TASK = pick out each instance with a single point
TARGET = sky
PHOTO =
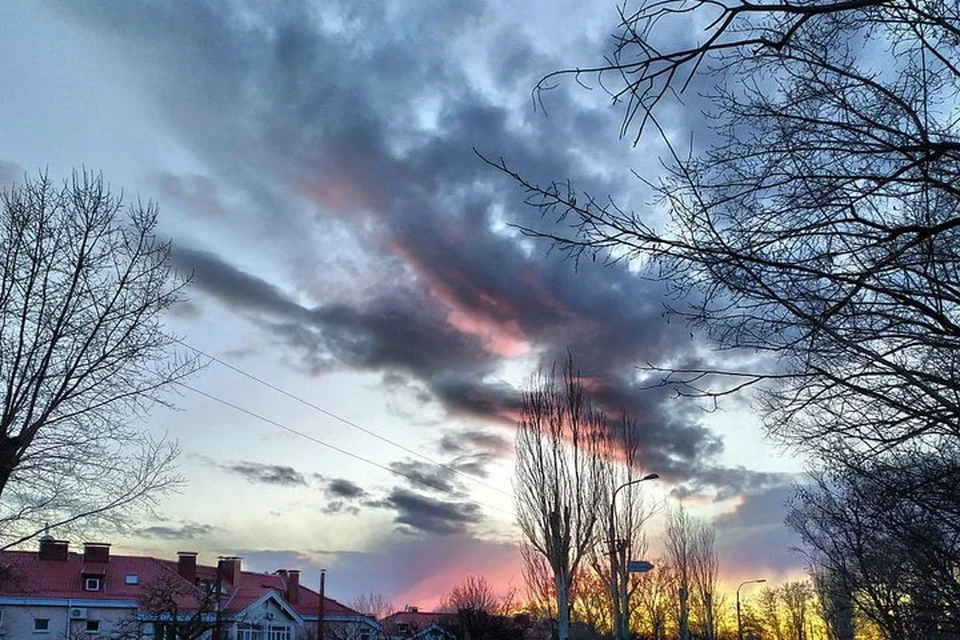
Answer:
(315, 167)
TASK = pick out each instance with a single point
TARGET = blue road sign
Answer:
(639, 566)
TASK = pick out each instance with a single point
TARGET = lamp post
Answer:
(618, 561)
(739, 621)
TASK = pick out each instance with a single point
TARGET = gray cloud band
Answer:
(299, 117)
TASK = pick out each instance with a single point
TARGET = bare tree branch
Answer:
(84, 286)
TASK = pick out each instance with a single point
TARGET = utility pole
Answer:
(322, 607)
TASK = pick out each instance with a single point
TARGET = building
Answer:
(57, 594)
(413, 624)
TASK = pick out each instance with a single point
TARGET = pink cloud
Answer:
(490, 317)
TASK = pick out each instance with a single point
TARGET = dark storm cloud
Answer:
(285, 109)
(760, 508)
(466, 395)
(754, 539)
(186, 531)
(734, 481)
(340, 506)
(418, 513)
(472, 440)
(275, 474)
(343, 488)
(230, 285)
(474, 464)
(424, 475)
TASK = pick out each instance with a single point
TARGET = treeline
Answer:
(810, 235)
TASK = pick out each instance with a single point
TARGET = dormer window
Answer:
(91, 584)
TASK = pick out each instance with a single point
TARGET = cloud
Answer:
(420, 513)
(230, 285)
(271, 102)
(724, 483)
(472, 440)
(753, 540)
(474, 464)
(426, 475)
(343, 488)
(186, 531)
(274, 474)
(340, 506)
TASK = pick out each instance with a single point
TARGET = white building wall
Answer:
(19, 616)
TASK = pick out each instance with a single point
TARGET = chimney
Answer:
(293, 586)
(187, 565)
(228, 569)
(54, 549)
(96, 552)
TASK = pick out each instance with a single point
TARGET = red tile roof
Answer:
(253, 585)
(416, 619)
(31, 576)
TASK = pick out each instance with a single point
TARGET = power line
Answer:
(355, 456)
(339, 418)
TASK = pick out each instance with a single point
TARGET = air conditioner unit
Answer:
(78, 613)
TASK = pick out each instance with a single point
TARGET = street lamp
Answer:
(618, 566)
(739, 621)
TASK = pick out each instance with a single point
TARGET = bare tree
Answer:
(797, 597)
(476, 611)
(680, 549)
(816, 231)
(626, 514)
(656, 597)
(590, 602)
(174, 609)
(84, 285)
(559, 471)
(821, 223)
(836, 603)
(541, 591)
(372, 604)
(705, 569)
(753, 622)
(771, 613)
(893, 550)
(473, 593)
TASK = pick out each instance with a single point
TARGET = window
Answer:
(164, 631)
(364, 635)
(41, 625)
(402, 627)
(93, 626)
(278, 633)
(131, 578)
(246, 632)
(92, 584)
